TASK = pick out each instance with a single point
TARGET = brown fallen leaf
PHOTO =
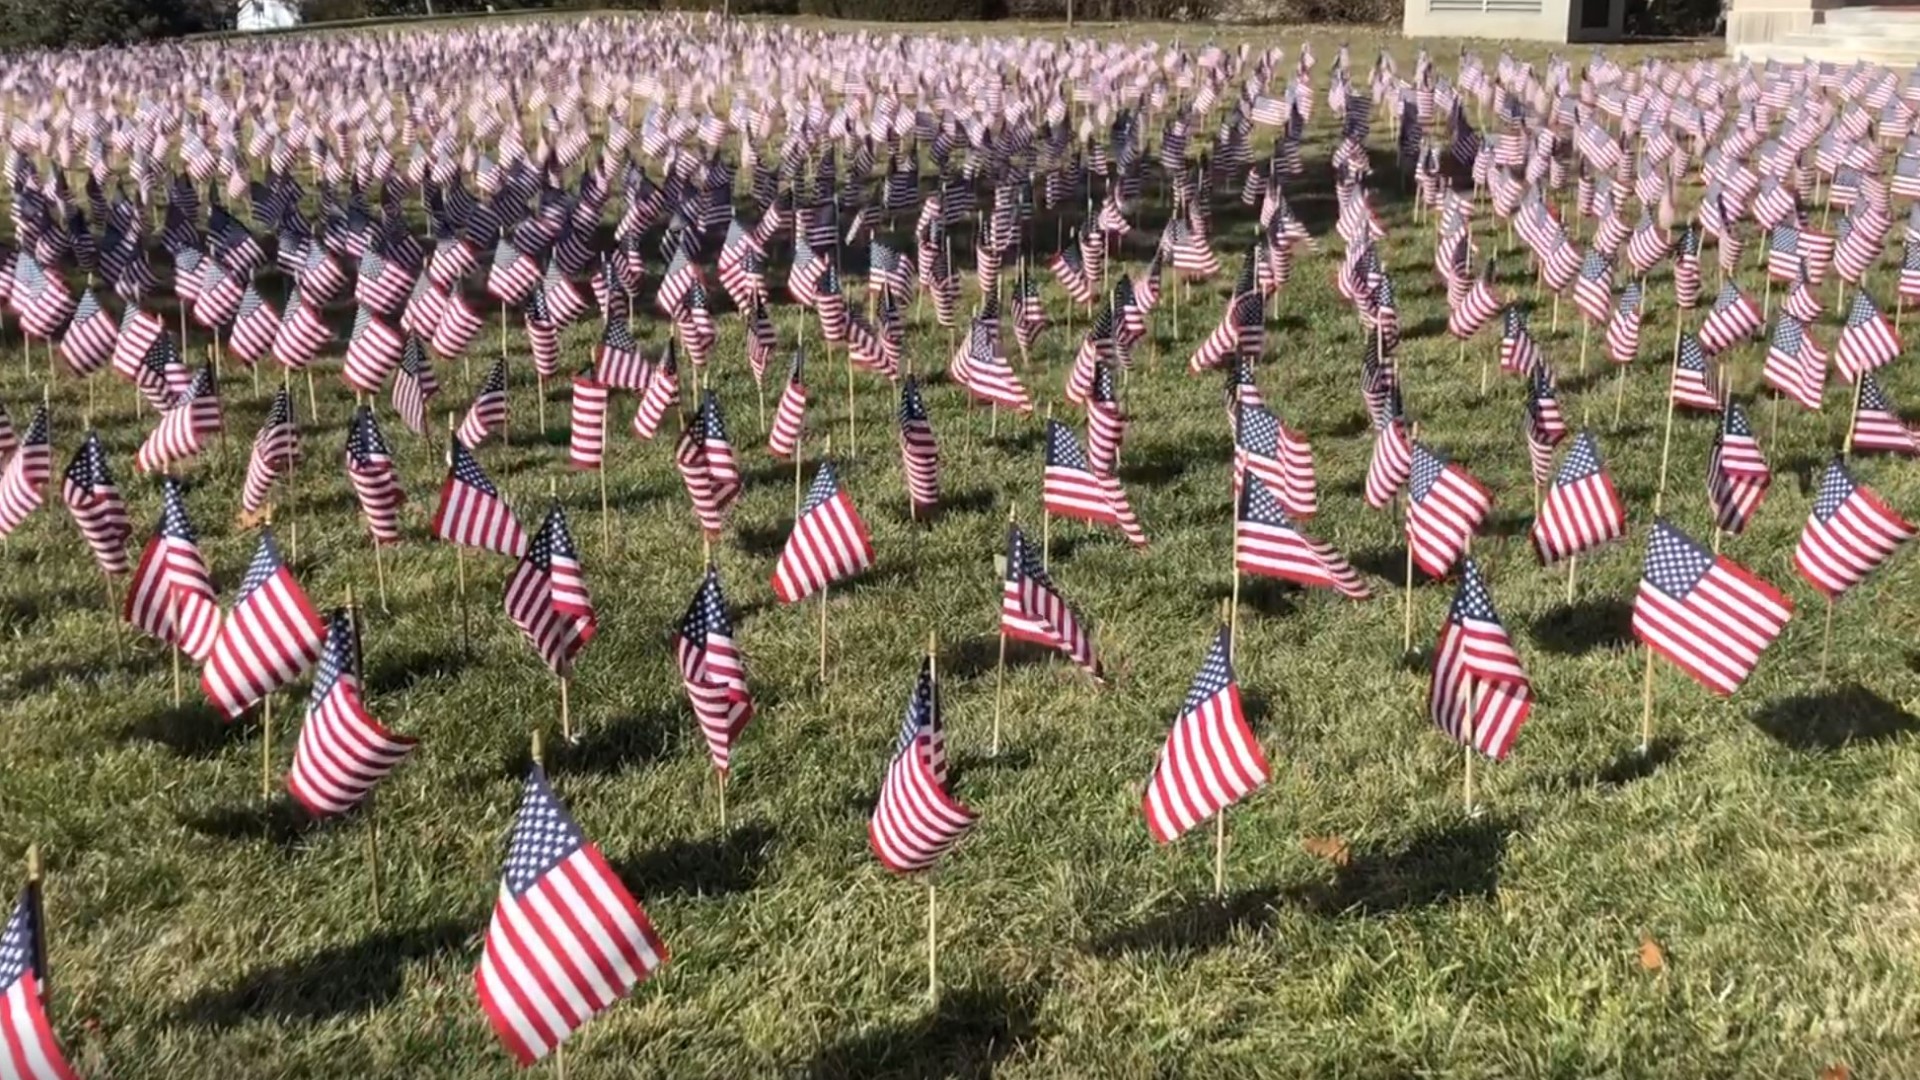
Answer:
(1331, 848)
(1652, 956)
(1836, 1071)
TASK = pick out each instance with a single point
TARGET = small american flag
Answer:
(1392, 460)
(919, 453)
(1546, 425)
(26, 1038)
(370, 471)
(1876, 426)
(1737, 473)
(183, 429)
(547, 596)
(276, 447)
(373, 351)
(23, 483)
(829, 541)
(1733, 319)
(1033, 609)
(171, 595)
(617, 360)
(566, 940)
(917, 821)
(790, 414)
(1211, 759)
(471, 512)
(1480, 695)
(1795, 365)
(1850, 532)
(489, 409)
(414, 385)
(270, 638)
(1071, 489)
(1445, 507)
(1623, 330)
(343, 751)
(1582, 510)
(1268, 544)
(662, 394)
(1689, 387)
(1519, 353)
(713, 670)
(1867, 342)
(1106, 421)
(1281, 457)
(96, 505)
(1593, 289)
(1705, 612)
(587, 422)
(89, 341)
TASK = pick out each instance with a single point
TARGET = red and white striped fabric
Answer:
(1705, 612)
(790, 415)
(1390, 465)
(343, 751)
(1267, 544)
(97, 506)
(713, 670)
(488, 412)
(1876, 426)
(471, 512)
(587, 423)
(275, 450)
(1071, 489)
(183, 429)
(373, 351)
(1032, 609)
(171, 595)
(371, 474)
(270, 638)
(916, 821)
(1582, 510)
(1445, 507)
(1211, 759)
(829, 542)
(1850, 532)
(23, 482)
(28, 1050)
(919, 453)
(1480, 694)
(662, 396)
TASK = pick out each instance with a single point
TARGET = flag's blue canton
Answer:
(825, 486)
(553, 541)
(923, 710)
(1594, 267)
(1871, 396)
(1630, 298)
(1427, 469)
(1259, 431)
(1862, 311)
(1258, 506)
(1675, 564)
(912, 409)
(1785, 240)
(1104, 390)
(617, 336)
(1581, 462)
(1788, 337)
(543, 835)
(201, 386)
(1215, 674)
(537, 307)
(1734, 423)
(364, 443)
(1063, 450)
(1473, 601)
(713, 425)
(266, 563)
(1910, 260)
(1513, 323)
(1692, 358)
(1729, 296)
(281, 411)
(1250, 310)
(707, 614)
(361, 319)
(467, 470)
(413, 356)
(496, 380)
(19, 945)
(173, 513)
(37, 430)
(89, 468)
(89, 307)
(336, 659)
(1835, 489)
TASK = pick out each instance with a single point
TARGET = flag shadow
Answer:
(763, 541)
(92, 671)
(632, 738)
(1833, 719)
(1435, 867)
(965, 1036)
(190, 730)
(1628, 766)
(713, 866)
(971, 657)
(1387, 562)
(23, 611)
(1585, 627)
(391, 674)
(1268, 596)
(279, 821)
(343, 980)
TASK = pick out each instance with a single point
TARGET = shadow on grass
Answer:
(1268, 596)
(966, 1036)
(1832, 719)
(632, 738)
(191, 730)
(1627, 767)
(391, 674)
(973, 656)
(279, 821)
(343, 980)
(715, 866)
(971, 501)
(763, 541)
(22, 611)
(92, 671)
(1584, 627)
(1387, 562)
(1435, 867)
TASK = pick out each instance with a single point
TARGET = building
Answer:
(1525, 20)
(253, 16)
(1828, 30)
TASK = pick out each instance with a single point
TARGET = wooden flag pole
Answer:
(1220, 817)
(373, 820)
(933, 947)
(1586, 399)
(566, 713)
(1573, 570)
(1646, 706)
(1473, 714)
(823, 588)
(1666, 441)
(1853, 418)
(606, 447)
(537, 751)
(1826, 640)
(266, 746)
(1406, 607)
(173, 634)
(853, 437)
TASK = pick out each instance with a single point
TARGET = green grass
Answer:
(1767, 845)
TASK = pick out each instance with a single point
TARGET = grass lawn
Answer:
(1741, 902)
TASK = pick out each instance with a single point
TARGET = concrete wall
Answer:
(1557, 20)
(1756, 22)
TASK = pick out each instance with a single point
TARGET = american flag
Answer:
(566, 939)
(1733, 319)
(171, 596)
(1267, 543)
(459, 324)
(1593, 289)
(617, 360)
(1867, 342)
(96, 505)
(270, 638)
(1480, 695)
(513, 275)
(1795, 365)
(987, 375)
(26, 1035)
(1546, 426)
(183, 429)
(1069, 269)
(917, 821)
(343, 751)
(139, 331)
(1071, 489)
(1582, 510)
(414, 385)
(1686, 268)
(1876, 426)
(1737, 473)
(1033, 609)
(1445, 507)
(1623, 330)
(1477, 308)
(1705, 612)
(276, 447)
(1106, 421)
(1519, 354)
(790, 414)
(829, 542)
(373, 351)
(301, 335)
(919, 454)
(1850, 532)
(713, 670)
(1689, 387)
(587, 422)
(1211, 758)
(1392, 460)
(1279, 456)
(543, 336)
(23, 482)
(89, 341)
(371, 473)
(471, 512)
(489, 409)
(547, 596)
